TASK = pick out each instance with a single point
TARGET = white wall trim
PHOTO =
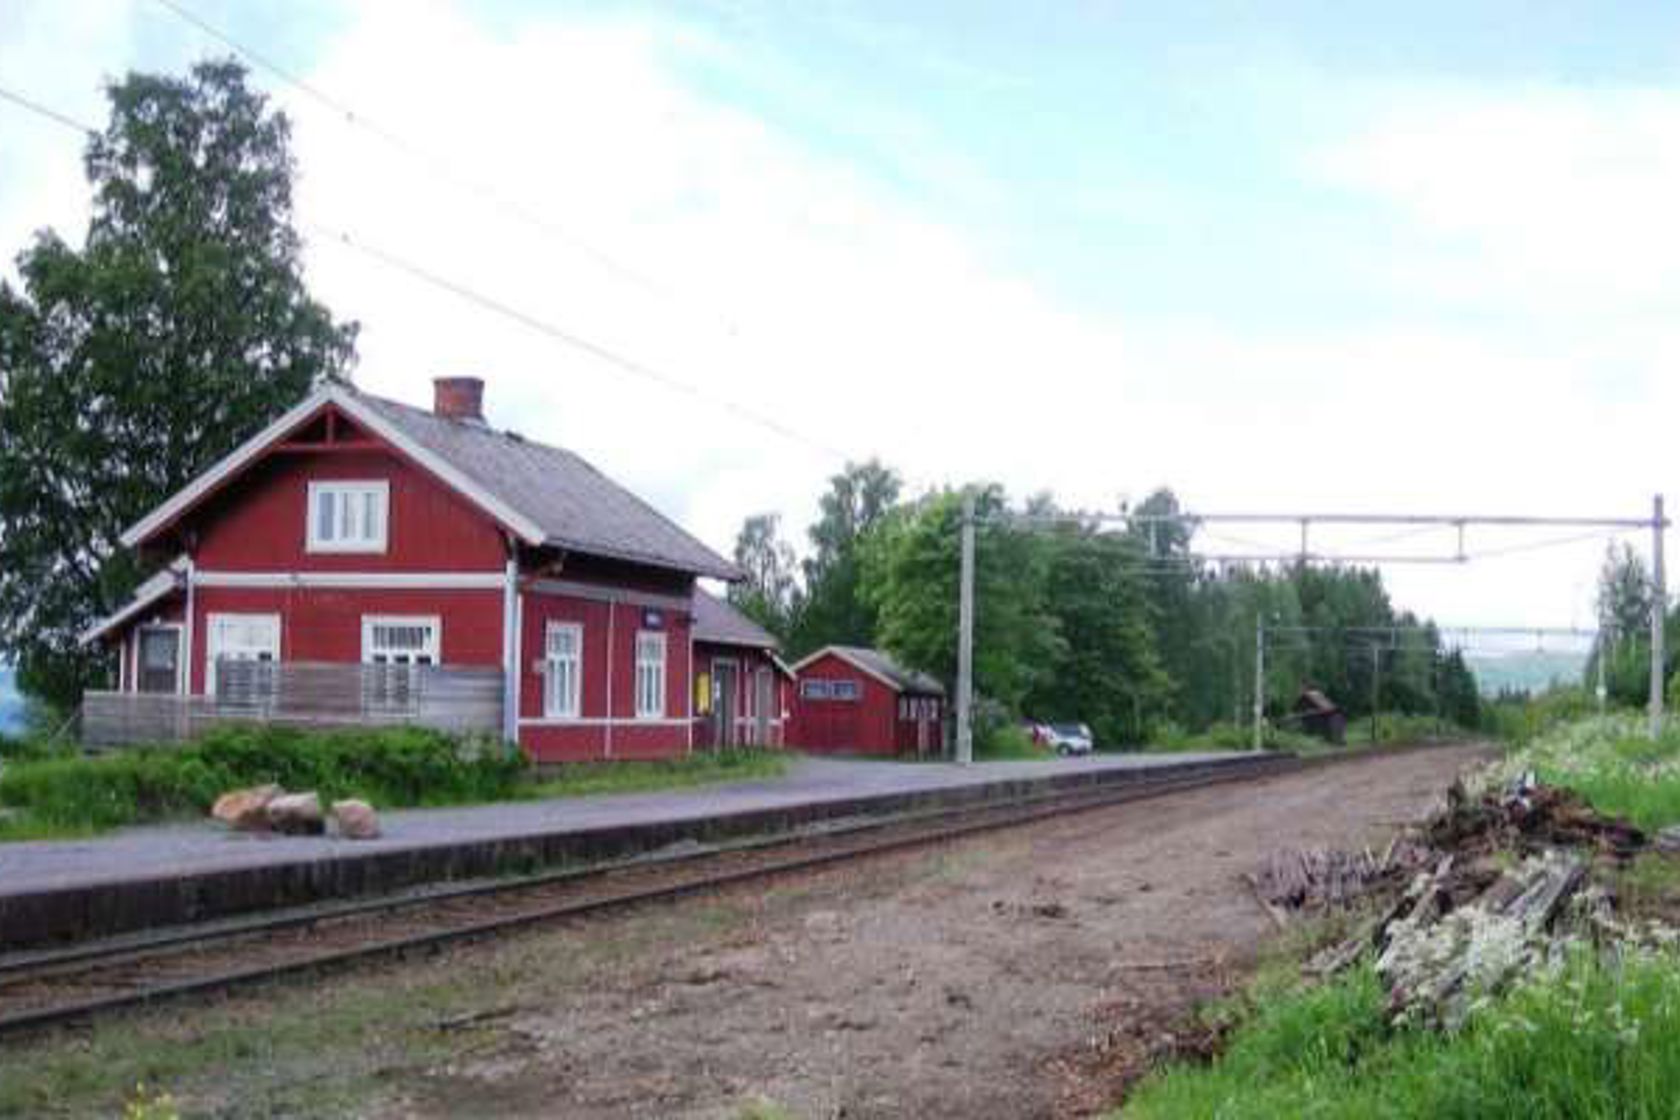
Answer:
(511, 636)
(599, 594)
(405, 581)
(597, 721)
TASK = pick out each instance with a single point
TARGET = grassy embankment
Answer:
(49, 795)
(1597, 1037)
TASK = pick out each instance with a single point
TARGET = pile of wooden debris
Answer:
(1493, 888)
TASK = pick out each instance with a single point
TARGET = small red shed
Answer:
(860, 701)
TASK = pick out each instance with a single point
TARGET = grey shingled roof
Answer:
(577, 506)
(908, 680)
(717, 621)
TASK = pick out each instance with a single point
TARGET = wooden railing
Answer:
(447, 697)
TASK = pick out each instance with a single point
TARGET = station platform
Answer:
(140, 878)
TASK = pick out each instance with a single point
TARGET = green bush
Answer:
(1596, 1040)
(389, 767)
(1007, 741)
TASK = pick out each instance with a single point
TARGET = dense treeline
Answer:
(1122, 629)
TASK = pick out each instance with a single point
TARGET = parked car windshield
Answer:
(1070, 729)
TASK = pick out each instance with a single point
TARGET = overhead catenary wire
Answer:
(440, 166)
(553, 331)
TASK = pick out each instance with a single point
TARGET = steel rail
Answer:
(992, 817)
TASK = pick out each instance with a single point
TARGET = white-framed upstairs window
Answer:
(349, 516)
(650, 674)
(401, 639)
(563, 670)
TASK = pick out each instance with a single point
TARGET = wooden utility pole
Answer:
(1659, 615)
(965, 637)
(1260, 680)
(1376, 693)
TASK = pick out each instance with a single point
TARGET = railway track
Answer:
(44, 988)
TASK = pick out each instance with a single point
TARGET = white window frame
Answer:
(342, 489)
(552, 707)
(212, 643)
(433, 648)
(651, 676)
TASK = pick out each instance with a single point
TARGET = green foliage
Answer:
(835, 610)
(390, 767)
(769, 594)
(1106, 671)
(1001, 741)
(587, 778)
(911, 572)
(1596, 1040)
(179, 328)
(1613, 763)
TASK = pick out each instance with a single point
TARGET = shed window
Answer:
(818, 689)
(563, 679)
(650, 674)
(348, 516)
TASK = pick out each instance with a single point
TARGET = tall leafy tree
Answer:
(910, 577)
(1107, 671)
(770, 592)
(858, 499)
(178, 328)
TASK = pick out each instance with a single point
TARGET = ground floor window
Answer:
(563, 677)
(397, 647)
(391, 640)
(239, 654)
(650, 674)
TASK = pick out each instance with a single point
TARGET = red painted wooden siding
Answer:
(591, 736)
(318, 624)
(863, 726)
(260, 521)
(749, 662)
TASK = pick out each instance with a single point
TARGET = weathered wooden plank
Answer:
(303, 694)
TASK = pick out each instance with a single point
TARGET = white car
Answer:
(1070, 738)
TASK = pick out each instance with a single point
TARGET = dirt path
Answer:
(989, 979)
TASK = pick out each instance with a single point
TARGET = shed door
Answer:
(723, 702)
(764, 691)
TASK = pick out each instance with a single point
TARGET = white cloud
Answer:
(805, 289)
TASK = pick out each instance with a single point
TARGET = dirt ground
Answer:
(1014, 975)
(1022, 973)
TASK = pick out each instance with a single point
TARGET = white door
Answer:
(239, 637)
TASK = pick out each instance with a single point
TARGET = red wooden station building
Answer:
(357, 531)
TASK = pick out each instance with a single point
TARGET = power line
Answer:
(489, 303)
(438, 165)
(50, 114)
(576, 341)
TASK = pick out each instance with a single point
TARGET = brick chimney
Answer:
(459, 398)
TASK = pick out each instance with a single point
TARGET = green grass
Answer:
(1008, 742)
(1612, 762)
(1594, 1041)
(584, 779)
(65, 796)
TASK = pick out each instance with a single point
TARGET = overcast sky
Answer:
(1416, 258)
